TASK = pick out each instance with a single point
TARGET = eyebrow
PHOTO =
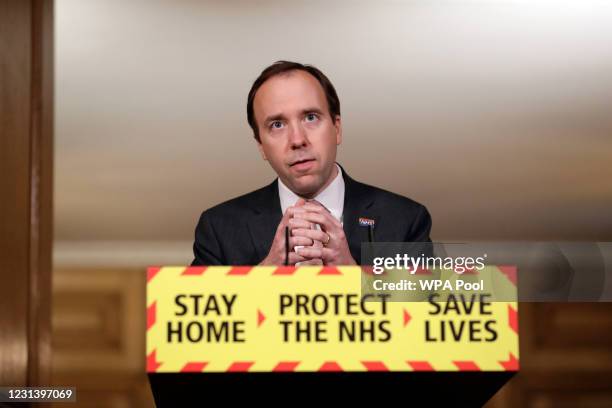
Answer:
(312, 110)
(280, 116)
(271, 118)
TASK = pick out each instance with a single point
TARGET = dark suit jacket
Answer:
(240, 231)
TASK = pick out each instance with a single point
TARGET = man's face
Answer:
(298, 136)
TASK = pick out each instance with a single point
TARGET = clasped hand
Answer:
(309, 245)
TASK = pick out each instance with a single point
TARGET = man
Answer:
(294, 112)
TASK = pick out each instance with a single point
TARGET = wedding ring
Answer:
(328, 239)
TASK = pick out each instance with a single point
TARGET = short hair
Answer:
(281, 67)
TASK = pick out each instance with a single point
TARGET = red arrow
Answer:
(407, 317)
(260, 317)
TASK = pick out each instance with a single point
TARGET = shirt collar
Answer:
(332, 197)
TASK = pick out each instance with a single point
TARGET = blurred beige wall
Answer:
(494, 114)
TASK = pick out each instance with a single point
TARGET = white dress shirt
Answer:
(332, 197)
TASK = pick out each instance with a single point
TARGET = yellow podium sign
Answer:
(264, 319)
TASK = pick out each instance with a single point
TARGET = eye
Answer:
(311, 117)
(277, 124)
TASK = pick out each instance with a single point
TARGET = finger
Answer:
(313, 234)
(312, 217)
(295, 258)
(315, 206)
(310, 253)
(326, 220)
(291, 211)
(297, 207)
(299, 223)
(285, 219)
(300, 241)
(288, 215)
(318, 208)
(315, 253)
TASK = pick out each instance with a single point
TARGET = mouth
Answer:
(302, 164)
(300, 161)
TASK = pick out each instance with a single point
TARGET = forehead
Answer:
(287, 93)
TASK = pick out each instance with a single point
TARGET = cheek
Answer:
(327, 146)
(274, 155)
(324, 139)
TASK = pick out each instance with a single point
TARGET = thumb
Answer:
(289, 211)
(285, 219)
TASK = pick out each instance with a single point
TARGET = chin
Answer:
(306, 187)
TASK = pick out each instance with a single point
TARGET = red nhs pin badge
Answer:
(366, 222)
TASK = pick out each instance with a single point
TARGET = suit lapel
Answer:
(264, 222)
(357, 203)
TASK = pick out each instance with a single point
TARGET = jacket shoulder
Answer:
(240, 205)
(390, 199)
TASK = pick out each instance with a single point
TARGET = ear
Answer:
(261, 150)
(338, 126)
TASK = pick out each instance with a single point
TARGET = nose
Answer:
(297, 137)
